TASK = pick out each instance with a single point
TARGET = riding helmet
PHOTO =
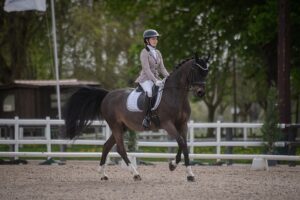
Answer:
(149, 33)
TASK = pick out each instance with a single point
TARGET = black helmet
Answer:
(150, 33)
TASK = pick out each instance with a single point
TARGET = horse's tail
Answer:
(82, 107)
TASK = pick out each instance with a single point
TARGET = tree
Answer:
(101, 40)
(17, 33)
(25, 45)
(270, 129)
(284, 63)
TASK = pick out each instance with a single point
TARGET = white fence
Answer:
(192, 143)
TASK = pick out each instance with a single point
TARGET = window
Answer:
(9, 103)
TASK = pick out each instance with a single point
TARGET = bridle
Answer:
(192, 79)
(195, 67)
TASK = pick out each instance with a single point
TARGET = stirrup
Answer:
(146, 122)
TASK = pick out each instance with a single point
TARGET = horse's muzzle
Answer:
(199, 91)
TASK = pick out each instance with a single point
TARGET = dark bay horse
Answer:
(174, 111)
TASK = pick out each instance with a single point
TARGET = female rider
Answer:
(152, 66)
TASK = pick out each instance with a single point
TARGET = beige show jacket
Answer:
(151, 67)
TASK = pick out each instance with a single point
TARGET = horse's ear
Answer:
(207, 59)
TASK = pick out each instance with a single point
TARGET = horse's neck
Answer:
(180, 76)
(178, 82)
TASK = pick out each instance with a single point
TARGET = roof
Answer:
(53, 82)
(47, 83)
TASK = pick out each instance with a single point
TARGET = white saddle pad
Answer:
(133, 98)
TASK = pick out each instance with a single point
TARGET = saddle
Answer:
(135, 100)
(140, 101)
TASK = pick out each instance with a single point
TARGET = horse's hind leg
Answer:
(121, 150)
(106, 148)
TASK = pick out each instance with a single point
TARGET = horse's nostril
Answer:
(200, 93)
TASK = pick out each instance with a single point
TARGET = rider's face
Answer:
(153, 41)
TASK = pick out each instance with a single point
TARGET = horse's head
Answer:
(198, 75)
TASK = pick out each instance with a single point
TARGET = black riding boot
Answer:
(147, 111)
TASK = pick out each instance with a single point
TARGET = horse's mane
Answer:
(182, 62)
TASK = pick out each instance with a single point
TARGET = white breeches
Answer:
(147, 87)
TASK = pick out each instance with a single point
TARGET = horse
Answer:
(89, 103)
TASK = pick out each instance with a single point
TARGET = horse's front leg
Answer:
(183, 130)
(190, 174)
(173, 164)
(182, 143)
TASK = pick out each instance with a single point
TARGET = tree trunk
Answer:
(18, 44)
(234, 91)
(284, 100)
(269, 50)
(5, 71)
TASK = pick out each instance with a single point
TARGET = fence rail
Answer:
(218, 143)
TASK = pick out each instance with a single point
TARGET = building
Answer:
(36, 98)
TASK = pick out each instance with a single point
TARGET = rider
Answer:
(152, 65)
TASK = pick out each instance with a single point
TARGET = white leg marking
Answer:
(174, 163)
(101, 170)
(189, 171)
(133, 169)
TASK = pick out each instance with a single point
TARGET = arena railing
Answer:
(17, 125)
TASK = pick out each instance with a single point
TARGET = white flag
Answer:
(22, 5)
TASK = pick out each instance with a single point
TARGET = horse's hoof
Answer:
(105, 178)
(191, 179)
(171, 166)
(137, 178)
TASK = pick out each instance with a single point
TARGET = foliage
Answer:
(132, 141)
(271, 131)
(101, 41)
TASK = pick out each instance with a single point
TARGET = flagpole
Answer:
(55, 58)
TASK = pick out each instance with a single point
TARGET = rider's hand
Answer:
(159, 83)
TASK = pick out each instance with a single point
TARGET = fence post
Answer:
(21, 135)
(245, 136)
(218, 139)
(17, 126)
(228, 137)
(192, 135)
(48, 135)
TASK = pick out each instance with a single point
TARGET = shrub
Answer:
(270, 129)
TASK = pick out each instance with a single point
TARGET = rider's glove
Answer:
(159, 83)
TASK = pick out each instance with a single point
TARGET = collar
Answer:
(151, 48)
